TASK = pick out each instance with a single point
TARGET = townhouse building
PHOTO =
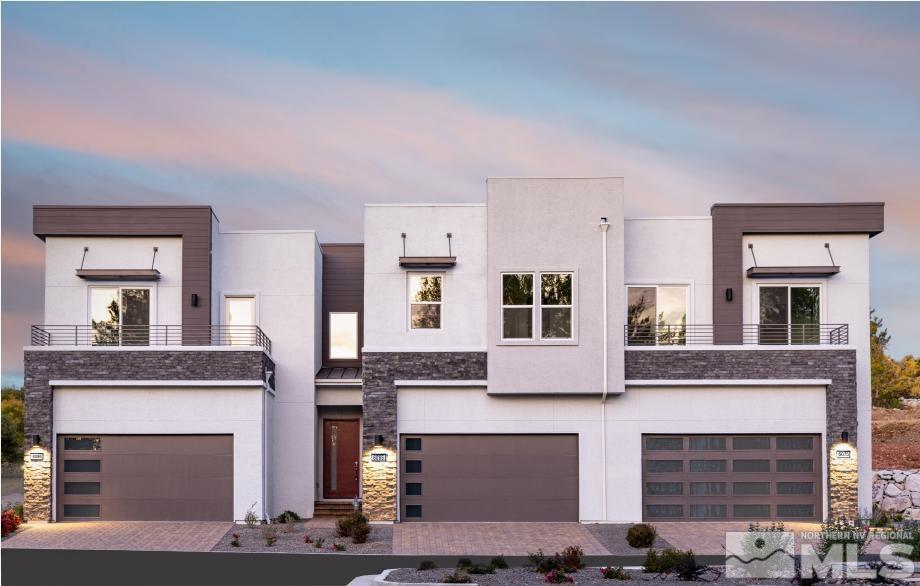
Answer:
(537, 357)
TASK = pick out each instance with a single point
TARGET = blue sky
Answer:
(293, 115)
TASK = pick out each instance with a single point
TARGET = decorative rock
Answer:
(893, 490)
(915, 497)
(912, 483)
(913, 514)
(884, 474)
(899, 476)
(895, 504)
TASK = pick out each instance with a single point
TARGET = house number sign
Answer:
(844, 454)
(36, 456)
(378, 457)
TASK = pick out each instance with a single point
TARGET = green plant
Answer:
(360, 532)
(250, 518)
(235, 540)
(659, 563)
(480, 569)
(572, 558)
(908, 534)
(269, 534)
(641, 535)
(12, 410)
(615, 573)
(287, 516)
(318, 544)
(499, 563)
(685, 566)
(427, 565)
(843, 532)
(464, 562)
(541, 563)
(338, 547)
(558, 577)
(456, 578)
(356, 522)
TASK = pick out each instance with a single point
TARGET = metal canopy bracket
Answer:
(428, 262)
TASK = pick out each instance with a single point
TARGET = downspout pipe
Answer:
(604, 226)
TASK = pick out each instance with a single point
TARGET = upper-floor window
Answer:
(343, 335)
(120, 315)
(240, 320)
(555, 302)
(789, 314)
(656, 314)
(425, 297)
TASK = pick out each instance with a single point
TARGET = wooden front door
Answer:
(341, 456)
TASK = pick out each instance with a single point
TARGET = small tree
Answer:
(11, 434)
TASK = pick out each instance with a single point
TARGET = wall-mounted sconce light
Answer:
(378, 440)
(845, 437)
(194, 299)
(729, 294)
(36, 439)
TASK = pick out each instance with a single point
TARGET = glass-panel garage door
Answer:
(731, 477)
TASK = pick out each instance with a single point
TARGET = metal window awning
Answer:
(792, 272)
(119, 274)
(427, 262)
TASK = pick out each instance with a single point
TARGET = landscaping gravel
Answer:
(613, 537)
(251, 540)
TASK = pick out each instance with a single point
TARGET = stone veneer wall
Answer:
(42, 366)
(837, 365)
(381, 369)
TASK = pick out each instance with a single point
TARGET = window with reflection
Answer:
(517, 306)
(556, 306)
(789, 314)
(425, 301)
(547, 310)
(120, 316)
(656, 314)
(343, 335)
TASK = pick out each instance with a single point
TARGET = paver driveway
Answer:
(491, 538)
(120, 535)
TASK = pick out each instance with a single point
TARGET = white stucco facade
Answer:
(238, 411)
(640, 410)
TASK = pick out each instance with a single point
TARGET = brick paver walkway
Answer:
(491, 538)
(709, 538)
(120, 535)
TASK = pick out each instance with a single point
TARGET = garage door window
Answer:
(413, 444)
(414, 489)
(414, 511)
(707, 511)
(748, 488)
(707, 466)
(794, 443)
(795, 488)
(751, 466)
(707, 443)
(81, 488)
(664, 511)
(752, 511)
(83, 443)
(751, 443)
(707, 488)
(413, 466)
(81, 511)
(82, 465)
(664, 488)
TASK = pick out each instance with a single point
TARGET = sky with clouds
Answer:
(294, 115)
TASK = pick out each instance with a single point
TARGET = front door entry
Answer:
(341, 458)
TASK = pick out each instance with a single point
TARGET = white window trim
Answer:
(536, 307)
(357, 335)
(223, 304)
(822, 299)
(410, 302)
(688, 300)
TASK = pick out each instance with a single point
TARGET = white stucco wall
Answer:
(279, 268)
(844, 300)
(176, 410)
(553, 225)
(640, 410)
(673, 251)
(386, 319)
(67, 296)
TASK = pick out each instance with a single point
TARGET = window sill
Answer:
(537, 343)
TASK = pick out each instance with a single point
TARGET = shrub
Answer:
(355, 522)
(269, 534)
(456, 578)
(338, 547)
(773, 527)
(843, 532)
(571, 558)
(614, 573)
(464, 562)
(318, 544)
(307, 539)
(499, 563)
(685, 566)
(360, 533)
(479, 569)
(908, 534)
(659, 563)
(287, 517)
(427, 565)
(250, 519)
(11, 522)
(641, 535)
(235, 540)
(541, 563)
(558, 577)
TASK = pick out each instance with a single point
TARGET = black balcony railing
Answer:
(107, 334)
(759, 334)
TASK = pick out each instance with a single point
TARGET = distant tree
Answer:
(891, 380)
(11, 433)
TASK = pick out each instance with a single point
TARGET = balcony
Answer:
(753, 334)
(116, 335)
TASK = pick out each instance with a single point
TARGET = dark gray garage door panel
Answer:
(732, 477)
(146, 477)
(491, 478)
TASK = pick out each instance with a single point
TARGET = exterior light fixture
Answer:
(194, 299)
(845, 437)
(729, 294)
(36, 439)
(378, 440)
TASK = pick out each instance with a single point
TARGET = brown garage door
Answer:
(489, 478)
(731, 477)
(145, 477)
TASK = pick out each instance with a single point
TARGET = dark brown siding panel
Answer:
(192, 223)
(343, 290)
(731, 221)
